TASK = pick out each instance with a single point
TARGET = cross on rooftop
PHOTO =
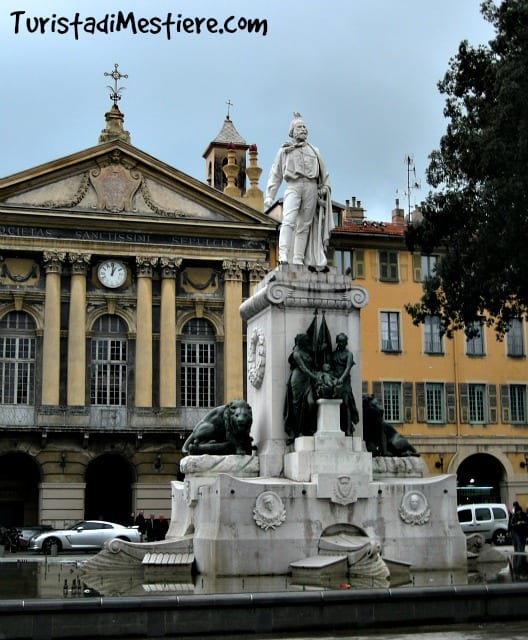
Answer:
(229, 105)
(115, 94)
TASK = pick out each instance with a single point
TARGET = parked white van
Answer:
(490, 520)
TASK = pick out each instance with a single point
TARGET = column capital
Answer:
(145, 265)
(233, 270)
(79, 262)
(170, 266)
(53, 261)
(257, 270)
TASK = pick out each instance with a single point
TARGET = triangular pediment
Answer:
(116, 179)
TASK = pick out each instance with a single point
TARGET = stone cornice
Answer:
(288, 286)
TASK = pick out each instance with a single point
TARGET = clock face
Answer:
(112, 273)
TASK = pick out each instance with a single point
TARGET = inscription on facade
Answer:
(140, 238)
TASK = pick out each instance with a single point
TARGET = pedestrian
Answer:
(140, 523)
(151, 527)
(163, 527)
(518, 527)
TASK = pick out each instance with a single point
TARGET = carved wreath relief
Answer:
(269, 511)
(414, 508)
(257, 357)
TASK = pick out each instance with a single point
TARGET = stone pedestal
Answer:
(283, 306)
(292, 503)
(329, 455)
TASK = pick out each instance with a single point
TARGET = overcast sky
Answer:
(363, 73)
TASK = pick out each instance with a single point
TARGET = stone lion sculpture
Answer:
(223, 431)
(381, 438)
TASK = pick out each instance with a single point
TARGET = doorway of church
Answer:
(108, 494)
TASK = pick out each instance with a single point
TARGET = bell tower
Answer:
(216, 156)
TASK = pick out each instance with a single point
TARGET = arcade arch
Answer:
(108, 494)
(19, 490)
(481, 477)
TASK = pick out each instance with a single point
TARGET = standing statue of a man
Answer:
(342, 362)
(307, 218)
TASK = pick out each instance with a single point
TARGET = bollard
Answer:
(54, 549)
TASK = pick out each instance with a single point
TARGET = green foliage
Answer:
(477, 214)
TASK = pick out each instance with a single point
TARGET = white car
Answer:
(490, 520)
(82, 536)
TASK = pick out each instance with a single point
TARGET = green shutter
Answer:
(492, 403)
(408, 401)
(359, 263)
(505, 403)
(463, 396)
(417, 267)
(393, 266)
(377, 392)
(451, 402)
(420, 401)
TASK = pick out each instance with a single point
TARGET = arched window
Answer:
(198, 364)
(108, 381)
(17, 358)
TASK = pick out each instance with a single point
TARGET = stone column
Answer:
(168, 357)
(233, 352)
(51, 341)
(257, 271)
(143, 394)
(77, 330)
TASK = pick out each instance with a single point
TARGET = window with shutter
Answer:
(392, 401)
(477, 402)
(388, 266)
(475, 344)
(390, 331)
(428, 266)
(435, 404)
(432, 335)
(515, 339)
(518, 403)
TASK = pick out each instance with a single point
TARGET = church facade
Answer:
(120, 283)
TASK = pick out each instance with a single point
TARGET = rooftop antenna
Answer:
(115, 91)
(412, 182)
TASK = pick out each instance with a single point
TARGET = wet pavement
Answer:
(58, 574)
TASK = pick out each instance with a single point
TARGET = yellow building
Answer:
(462, 403)
(120, 283)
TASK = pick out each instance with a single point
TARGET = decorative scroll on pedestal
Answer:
(257, 357)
